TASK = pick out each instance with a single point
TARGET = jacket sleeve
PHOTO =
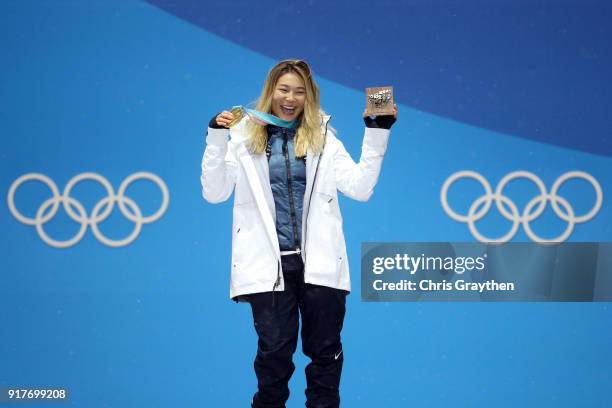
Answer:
(357, 180)
(219, 167)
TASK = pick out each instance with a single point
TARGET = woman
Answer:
(286, 165)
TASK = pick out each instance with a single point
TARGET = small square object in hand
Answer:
(379, 101)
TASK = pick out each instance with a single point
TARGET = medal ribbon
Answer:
(261, 118)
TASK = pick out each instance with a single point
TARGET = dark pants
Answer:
(276, 322)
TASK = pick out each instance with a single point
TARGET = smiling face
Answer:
(289, 97)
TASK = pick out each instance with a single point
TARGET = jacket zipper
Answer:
(277, 283)
(292, 206)
(290, 189)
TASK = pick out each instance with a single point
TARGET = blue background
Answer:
(118, 87)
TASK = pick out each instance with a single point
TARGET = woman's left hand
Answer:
(380, 121)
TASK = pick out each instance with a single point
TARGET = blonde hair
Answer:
(308, 134)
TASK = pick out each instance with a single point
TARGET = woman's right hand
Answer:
(224, 118)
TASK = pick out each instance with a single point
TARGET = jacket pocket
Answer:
(242, 193)
(250, 246)
(245, 215)
(327, 202)
(325, 236)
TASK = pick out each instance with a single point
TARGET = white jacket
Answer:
(227, 165)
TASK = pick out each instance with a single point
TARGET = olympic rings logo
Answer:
(529, 214)
(98, 215)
